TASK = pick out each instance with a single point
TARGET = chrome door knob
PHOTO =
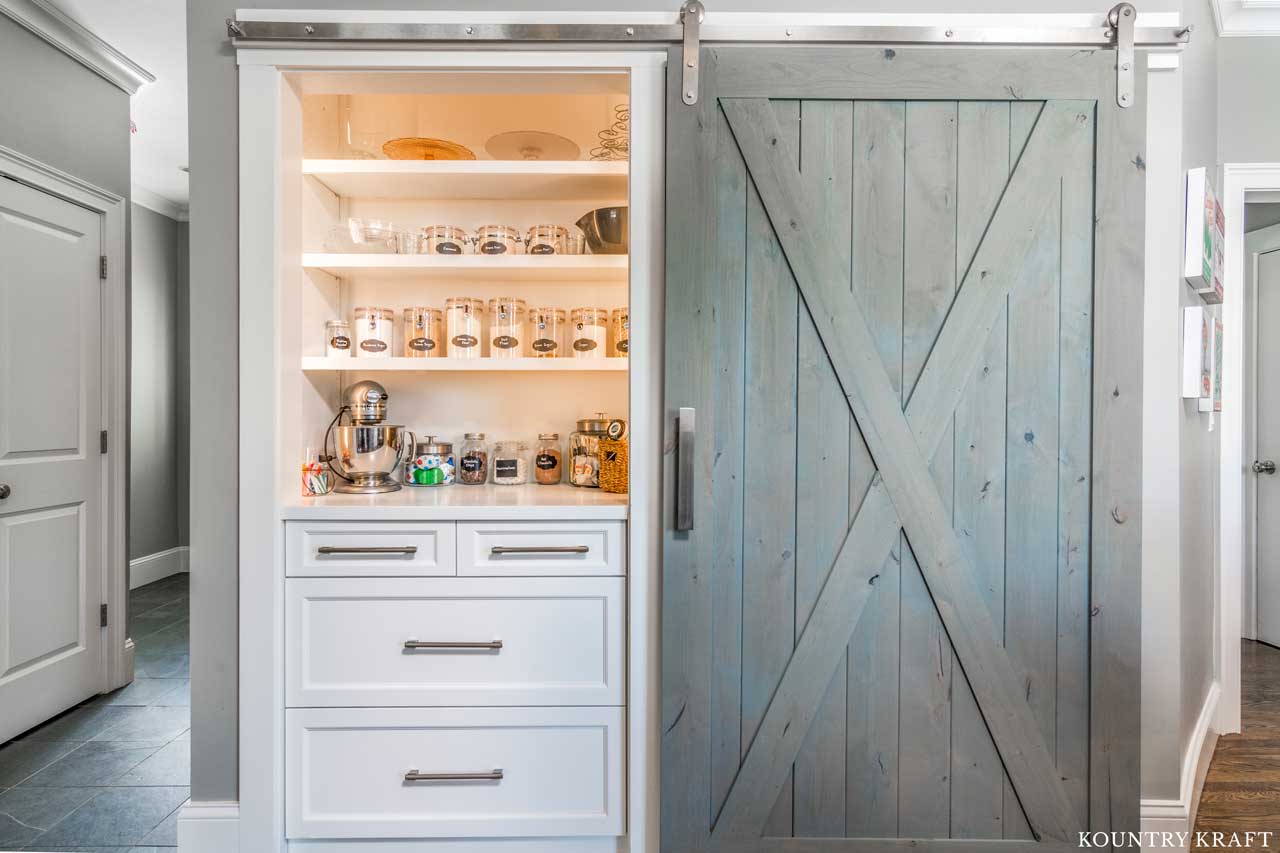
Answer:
(1264, 467)
(5, 491)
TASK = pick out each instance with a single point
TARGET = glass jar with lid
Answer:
(373, 332)
(620, 320)
(443, 240)
(473, 460)
(498, 240)
(546, 240)
(423, 332)
(462, 316)
(506, 327)
(589, 329)
(431, 464)
(337, 339)
(548, 459)
(584, 451)
(510, 463)
(547, 328)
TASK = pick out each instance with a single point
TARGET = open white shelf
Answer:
(472, 179)
(463, 365)
(559, 268)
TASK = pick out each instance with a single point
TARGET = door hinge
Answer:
(102, 616)
(1121, 19)
(102, 441)
(102, 267)
(692, 14)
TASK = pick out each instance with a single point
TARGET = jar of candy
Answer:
(473, 462)
(584, 451)
(431, 464)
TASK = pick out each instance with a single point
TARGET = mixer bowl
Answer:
(606, 230)
(369, 455)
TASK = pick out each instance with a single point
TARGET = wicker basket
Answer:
(613, 465)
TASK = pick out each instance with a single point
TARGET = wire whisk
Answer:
(615, 140)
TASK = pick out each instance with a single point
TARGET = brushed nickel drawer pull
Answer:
(368, 549)
(493, 645)
(481, 776)
(499, 550)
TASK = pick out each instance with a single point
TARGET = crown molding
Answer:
(1235, 18)
(52, 25)
(157, 203)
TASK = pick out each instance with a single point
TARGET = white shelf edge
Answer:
(542, 267)
(516, 168)
(399, 364)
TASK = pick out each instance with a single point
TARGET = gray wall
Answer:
(157, 380)
(214, 260)
(1248, 109)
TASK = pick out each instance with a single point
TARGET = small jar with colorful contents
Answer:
(431, 464)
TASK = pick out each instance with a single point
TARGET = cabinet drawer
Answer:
(491, 772)
(541, 548)
(493, 641)
(369, 548)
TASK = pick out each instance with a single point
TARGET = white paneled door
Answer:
(52, 542)
(1267, 282)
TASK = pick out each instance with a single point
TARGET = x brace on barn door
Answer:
(1118, 30)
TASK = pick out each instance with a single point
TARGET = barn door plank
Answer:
(905, 471)
(879, 175)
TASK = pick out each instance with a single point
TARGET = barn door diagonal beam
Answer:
(903, 493)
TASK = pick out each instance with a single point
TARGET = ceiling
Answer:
(153, 33)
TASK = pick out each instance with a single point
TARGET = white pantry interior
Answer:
(459, 667)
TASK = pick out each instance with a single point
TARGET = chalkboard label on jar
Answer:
(547, 461)
(340, 342)
(448, 249)
(611, 456)
(542, 249)
(373, 345)
(506, 342)
(624, 346)
(422, 344)
(464, 340)
(544, 345)
(584, 344)
(506, 468)
(472, 464)
(493, 247)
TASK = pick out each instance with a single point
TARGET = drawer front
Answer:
(481, 772)
(541, 548)
(369, 548)
(454, 641)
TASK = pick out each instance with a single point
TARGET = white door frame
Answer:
(1253, 241)
(1239, 179)
(117, 663)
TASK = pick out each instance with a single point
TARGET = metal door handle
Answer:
(493, 645)
(1263, 467)
(684, 469)
(5, 491)
(499, 550)
(479, 776)
(370, 549)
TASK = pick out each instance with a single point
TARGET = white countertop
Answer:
(464, 503)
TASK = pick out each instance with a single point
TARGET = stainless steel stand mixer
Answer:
(367, 451)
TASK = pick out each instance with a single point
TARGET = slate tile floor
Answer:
(110, 775)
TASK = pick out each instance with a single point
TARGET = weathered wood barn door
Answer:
(901, 577)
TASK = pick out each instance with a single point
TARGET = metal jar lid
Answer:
(431, 447)
(474, 436)
(599, 424)
(548, 436)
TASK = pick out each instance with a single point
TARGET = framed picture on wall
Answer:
(1213, 402)
(1197, 346)
(1203, 242)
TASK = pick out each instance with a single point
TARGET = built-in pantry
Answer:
(457, 340)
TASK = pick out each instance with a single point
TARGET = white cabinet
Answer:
(454, 772)
(369, 548)
(454, 641)
(541, 548)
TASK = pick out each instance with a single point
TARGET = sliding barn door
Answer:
(901, 567)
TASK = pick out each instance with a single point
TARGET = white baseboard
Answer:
(209, 828)
(161, 564)
(1179, 816)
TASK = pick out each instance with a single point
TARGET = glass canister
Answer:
(337, 339)
(589, 328)
(620, 320)
(431, 464)
(423, 332)
(546, 240)
(584, 451)
(548, 459)
(373, 333)
(510, 463)
(498, 240)
(575, 243)
(443, 240)
(473, 462)
(317, 478)
(462, 316)
(547, 332)
(506, 327)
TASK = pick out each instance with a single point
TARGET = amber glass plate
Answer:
(417, 148)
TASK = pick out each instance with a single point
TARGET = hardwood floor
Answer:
(1242, 788)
